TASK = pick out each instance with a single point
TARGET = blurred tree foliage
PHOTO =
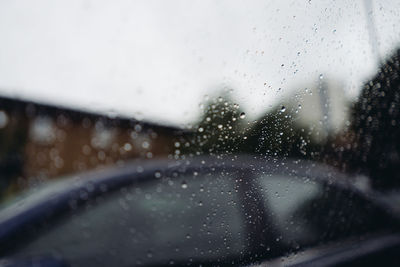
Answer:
(220, 129)
(224, 129)
(372, 143)
(277, 134)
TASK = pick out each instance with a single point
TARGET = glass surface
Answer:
(190, 219)
(305, 215)
(298, 100)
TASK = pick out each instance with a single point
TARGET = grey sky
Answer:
(157, 59)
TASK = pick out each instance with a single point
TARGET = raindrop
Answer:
(138, 128)
(283, 109)
(321, 76)
(201, 129)
(145, 145)
(242, 115)
(127, 147)
(86, 149)
(184, 185)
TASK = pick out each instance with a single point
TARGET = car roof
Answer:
(54, 196)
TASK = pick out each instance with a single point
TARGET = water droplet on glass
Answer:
(283, 109)
(145, 145)
(242, 115)
(127, 147)
(321, 76)
(184, 185)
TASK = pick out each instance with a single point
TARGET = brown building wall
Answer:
(53, 141)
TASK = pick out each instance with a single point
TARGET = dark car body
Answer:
(232, 210)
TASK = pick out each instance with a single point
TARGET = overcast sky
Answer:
(157, 59)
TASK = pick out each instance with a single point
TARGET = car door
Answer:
(170, 218)
(308, 212)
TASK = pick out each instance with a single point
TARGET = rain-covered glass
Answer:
(211, 133)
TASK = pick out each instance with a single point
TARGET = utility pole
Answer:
(372, 33)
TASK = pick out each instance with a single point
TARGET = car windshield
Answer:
(198, 132)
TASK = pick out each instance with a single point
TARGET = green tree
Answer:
(277, 134)
(220, 128)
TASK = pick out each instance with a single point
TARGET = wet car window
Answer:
(226, 217)
(302, 212)
(197, 218)
(199, 132)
